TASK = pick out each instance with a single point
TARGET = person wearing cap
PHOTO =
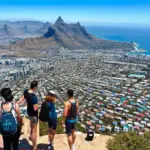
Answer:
(52, 123)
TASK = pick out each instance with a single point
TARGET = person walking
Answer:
(71, 107)
(32, 110)
(10, 120)
(52, 121)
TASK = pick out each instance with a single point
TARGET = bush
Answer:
(129, 141)
(59, 130)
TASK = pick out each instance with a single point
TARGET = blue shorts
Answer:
(52, 123)
(69, 127)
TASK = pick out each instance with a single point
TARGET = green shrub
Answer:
(129, 141)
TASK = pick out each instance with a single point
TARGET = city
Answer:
(113, 90)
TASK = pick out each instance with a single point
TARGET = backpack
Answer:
(8, 124)
(44, 112)
(73, 111)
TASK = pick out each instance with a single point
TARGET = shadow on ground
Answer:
(24, 145)
(42, 146)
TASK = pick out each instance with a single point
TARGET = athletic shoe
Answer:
(73, 147)
(50, 147)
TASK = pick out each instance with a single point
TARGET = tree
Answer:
(129, 141)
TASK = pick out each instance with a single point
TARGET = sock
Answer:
(51, 143)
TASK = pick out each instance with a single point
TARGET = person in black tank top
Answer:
(70, 118)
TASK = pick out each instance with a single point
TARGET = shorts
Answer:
(33, 119)
(70, 127)
(52, 123)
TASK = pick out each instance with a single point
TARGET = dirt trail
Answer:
(60, 142)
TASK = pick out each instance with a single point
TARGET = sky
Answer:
(89, 12)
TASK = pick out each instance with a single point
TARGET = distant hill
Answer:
(20, 28)
(6, 31)
(70, 36)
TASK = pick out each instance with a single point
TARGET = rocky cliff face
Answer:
(44, 28)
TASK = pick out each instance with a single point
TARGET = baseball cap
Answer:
(51, 92)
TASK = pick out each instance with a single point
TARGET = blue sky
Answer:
(93, 12)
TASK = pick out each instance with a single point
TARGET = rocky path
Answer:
(60, 142)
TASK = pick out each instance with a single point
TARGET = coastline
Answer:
(138, 49)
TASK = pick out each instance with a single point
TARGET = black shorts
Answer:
(70, 127)
(52, 123)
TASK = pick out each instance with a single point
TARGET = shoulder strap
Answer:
(70, 102)
(2, 109)
(12, 107)
(73, 102)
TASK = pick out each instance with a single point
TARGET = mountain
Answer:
(21, 28)
(6, 31)
(25, 29)
(69, 36)
(44, 28)
(59, 21)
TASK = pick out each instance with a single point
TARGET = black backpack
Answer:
(90, 135)
(44, 113)
(73, 111)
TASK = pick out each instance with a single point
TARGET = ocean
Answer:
(139, 35)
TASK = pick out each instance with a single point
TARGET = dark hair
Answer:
(6, 93)
(33, 84)
(70, 93)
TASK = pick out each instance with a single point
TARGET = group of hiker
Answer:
(11, 121)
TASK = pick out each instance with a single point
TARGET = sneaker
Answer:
(73, 147)
(50, 147)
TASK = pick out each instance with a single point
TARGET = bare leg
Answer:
(51, 135)
(70, 141)
(73, 136)
(33, 135)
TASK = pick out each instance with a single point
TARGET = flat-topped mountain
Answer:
(70, 36)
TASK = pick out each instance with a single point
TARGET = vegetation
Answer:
(60, 129)
(129, 141)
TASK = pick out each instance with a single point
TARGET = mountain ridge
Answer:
(69, 36)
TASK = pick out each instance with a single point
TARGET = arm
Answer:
(77, 106)
(22, 99)
(19, 118)
(35, 107)
(65, 112)
(35, 104)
